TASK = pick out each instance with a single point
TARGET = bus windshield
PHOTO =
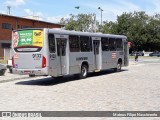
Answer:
(27, 40)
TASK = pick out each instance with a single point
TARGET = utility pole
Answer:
(101, 13)
(94, 28)
(8, 7)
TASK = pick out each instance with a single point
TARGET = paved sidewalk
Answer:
(11, 77)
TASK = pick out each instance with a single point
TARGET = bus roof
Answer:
(69, 32)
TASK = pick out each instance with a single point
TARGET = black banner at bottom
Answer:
(15, 114)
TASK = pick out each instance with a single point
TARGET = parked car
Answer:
(155, 54)
(3, 69)
(139, 53)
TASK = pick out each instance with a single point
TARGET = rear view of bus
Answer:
(28, 55)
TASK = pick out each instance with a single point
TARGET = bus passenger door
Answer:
(97, 54)
(61, 56)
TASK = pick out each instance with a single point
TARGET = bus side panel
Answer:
(106, 60)
(76, 59)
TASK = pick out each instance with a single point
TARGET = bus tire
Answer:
(118, 67)
(84, 72)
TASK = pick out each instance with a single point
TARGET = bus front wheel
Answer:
(84, 72)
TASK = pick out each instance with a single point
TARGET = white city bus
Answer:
(61, 52)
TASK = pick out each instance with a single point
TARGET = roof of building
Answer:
(1, 14)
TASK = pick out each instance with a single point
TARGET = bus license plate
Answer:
(27, 72)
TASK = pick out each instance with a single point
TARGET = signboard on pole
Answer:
(129, 44)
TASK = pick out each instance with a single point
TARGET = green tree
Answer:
(80, 22)
(142, 30)
(109, 27)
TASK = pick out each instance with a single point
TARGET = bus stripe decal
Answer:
(114, 55)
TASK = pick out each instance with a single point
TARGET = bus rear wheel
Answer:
(84, 72)
(118, 67)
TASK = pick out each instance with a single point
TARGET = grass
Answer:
(147, 57)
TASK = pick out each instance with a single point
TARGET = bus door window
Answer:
(58, 47)
(96, 47)
(61, 47)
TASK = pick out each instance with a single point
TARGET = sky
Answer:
(54, 10)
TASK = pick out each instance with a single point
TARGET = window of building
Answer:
(6, 26)
(112, 44)
(6, 45)
(105, 44)
(51, 40)
(119, 44)
(18, 26)
(85, 43)
(74, 43)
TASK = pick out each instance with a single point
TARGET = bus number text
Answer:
(36, 56)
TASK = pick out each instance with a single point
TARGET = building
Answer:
(9, 23)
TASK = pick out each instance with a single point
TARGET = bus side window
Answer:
(119, 44)
(112, 44)
(105, 44)
(74, 43)
(85, 44)
(51, 39)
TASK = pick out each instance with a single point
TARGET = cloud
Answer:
(155, 6)
(43, 16)
(14, 2)
(56, 19)
(3, 12)
(28, 11)
(34, 15)
(113, 9)
(126, 5)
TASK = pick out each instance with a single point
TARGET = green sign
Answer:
(25, 37)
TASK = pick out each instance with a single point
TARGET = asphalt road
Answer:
(136, 88)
